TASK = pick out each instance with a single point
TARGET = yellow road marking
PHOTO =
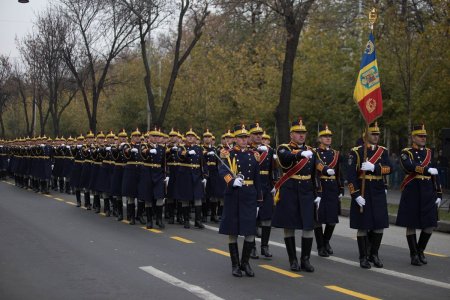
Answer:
(59, 199)
(151, 230)
(281, 271)
(183, 240)
(49, 196)
(219, 252)
(125, 221)
(435, 254)
(103, 214)
(71, 203)
(350, 292)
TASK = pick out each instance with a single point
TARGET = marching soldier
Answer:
(330, 189)
(421, 195)
(85, 177)
(67, 163)
(266, 171)
(75, 175)
(190, 178)
(240, 169)
(175, 139)
(226, 144)
(95, 169)
(368, 212)
(120, 161)
(213, 184)
(296, 194)
(105, 173)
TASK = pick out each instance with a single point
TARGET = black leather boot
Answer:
(97, 205)
(140, 212)
(186, 213)
(292, 253)
(254, 252)
(374, 247)
(87, 200)
(159, 218)
(423, 241)
(245, 266)
(413, 251)
(320, 242)
(119, 209)
(198, 218)
(149, 213)
(265, 235)
(234, 255)
(171, 212)
(306, 254)
(61, 185)
(328, 232)
(113, 203)
(67, 187)
(204, 212)
(214, 212)
(106, 207)
(362, 247)
(78, 196)
(180, 213)
(55, 184)
(132, 212)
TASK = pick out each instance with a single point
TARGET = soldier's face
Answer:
(325, 140)
(207, 140)
(374, 138)
(266, 141)
(242, 141)
(122, 139)
(256, 138)
(228, 140)
(419, 140)
(298, 137)
(190, 139)
(135, 139)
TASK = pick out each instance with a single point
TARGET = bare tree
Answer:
(100, 30)
(5, 90)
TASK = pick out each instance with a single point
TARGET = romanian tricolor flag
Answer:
(367, 92)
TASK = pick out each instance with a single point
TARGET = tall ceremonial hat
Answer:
(70, 139)
(298, 126)
(324, 130)
(136, 132)
(419, 129)
(255, 128)
(265, 136)
(110, 135)
(191, 132)
(373, 128)
(228, 134)
(80, 137)
(100, 135)
(207, 133)
(90, 134)
(240, 131)
(173, 132)
(123, 133)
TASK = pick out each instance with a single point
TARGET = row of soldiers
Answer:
(243, 180)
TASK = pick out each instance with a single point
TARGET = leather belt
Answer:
(194, 166)
(211, 163)
(328, 177)
(133, 163)
(372, 177)
(151, 165)
(264, 172)
(119, 164)
(79, 161)
(108, 162)
(301, 177)
(248, 182)
(422, 177)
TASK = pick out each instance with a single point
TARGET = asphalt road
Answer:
(49, 249)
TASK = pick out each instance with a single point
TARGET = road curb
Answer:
(443, 226)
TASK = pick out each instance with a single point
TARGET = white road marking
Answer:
(384, 271)
(194, 289)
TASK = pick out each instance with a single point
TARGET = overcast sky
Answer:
(16, 20)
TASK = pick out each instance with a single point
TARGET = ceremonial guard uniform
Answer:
(240, 170)
(67, 163)
(190, 178)
(421, 195)
(330, 189)
(3, 159)
(58, 164)
(105, 174)
(75, 175)
(131, 175)
(266, 171)
(213, 184)
(296, 194)
(85, 179)
(151, 187)
(117, 175)
(95, 169)
(368, 212)
(172, 167)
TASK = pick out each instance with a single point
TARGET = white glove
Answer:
(153, 151)
(340, 197)
(42, 145)
(385, 191)
(79, 146)
(121, 144)
(175, 148)
(367, 166)
(191, 152)
(307, 153)
(438, 202)
(238, 182)
(275, 156)
(108, 148)
(433, 171)
(166, 180)
(330, 172)
(210, 153)
(317, 201)
(262, 148)
(62, 145)
(204, 182)
(361, 201)
(273, 191)
(68, 147)
(53, 166)
(134, 150)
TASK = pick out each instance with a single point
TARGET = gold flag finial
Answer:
(372, 17)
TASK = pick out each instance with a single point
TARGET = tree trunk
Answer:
(2, 125)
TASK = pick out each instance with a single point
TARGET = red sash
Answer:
(291, 172)
(411, 176)
(263, 157)
(335, 159)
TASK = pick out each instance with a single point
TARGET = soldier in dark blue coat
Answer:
(151, 188)
(131, 174)
(190, 178)
(58, 164)
(266, 171)
(67, 163)
(105, 172)
(175, 139)
(3, 159)
(85, 178)
(240, 170)
(330, 189)
(120, 161)
(368, 212)
(421, 194)
(296, 194)
(213, 185)
(75, 175)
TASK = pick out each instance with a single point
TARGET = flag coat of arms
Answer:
(367, 93)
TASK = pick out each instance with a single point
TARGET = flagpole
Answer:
(372, 19)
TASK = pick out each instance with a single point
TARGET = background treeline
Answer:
(110, 64)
